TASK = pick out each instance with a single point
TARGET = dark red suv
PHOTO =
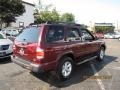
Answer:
(57, 47)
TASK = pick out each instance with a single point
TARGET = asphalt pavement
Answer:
(92, 75)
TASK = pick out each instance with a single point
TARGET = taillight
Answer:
(39, 53)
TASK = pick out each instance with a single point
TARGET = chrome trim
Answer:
(27, 65)
(86, 60)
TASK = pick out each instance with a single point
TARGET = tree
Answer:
(45, 16)
(67, 17)
(44, 13)
(41, 7)
(55, 15)
(10, 9)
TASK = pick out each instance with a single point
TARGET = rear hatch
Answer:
(26, 43)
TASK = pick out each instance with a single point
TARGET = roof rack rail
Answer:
(70, 23)
(63, 23)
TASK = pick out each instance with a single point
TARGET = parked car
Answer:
(5, 46)
(118, 32)
(116, 35)
(56, 47)
(112, 35)
(99, 35)
(108, 35)
(10, 31)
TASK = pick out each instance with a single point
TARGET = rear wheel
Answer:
(65, 68)
(101, 54)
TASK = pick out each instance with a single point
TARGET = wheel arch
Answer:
(103, 45)
(68, 54)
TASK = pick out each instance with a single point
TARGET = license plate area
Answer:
(21, 51)
(2, 53)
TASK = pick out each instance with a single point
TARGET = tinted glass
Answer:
(86, 35)
(29, 35)
(55, 33)
(1, 36)
(73, 33)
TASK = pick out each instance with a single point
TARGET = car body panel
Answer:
(5, 47)
(112, 35)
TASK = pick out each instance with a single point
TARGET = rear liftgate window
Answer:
(29, 35)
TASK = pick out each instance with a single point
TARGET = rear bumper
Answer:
(28, 65)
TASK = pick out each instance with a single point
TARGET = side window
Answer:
(86, 36)
(55, 33)
(73, 34)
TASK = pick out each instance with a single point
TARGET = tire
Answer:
(65, 68)
(101, 54)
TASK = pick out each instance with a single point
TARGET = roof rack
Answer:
(81, 26)
(65, 23)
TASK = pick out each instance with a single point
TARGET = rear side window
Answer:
(29, 35)
(55, 33)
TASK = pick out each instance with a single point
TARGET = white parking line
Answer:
(111, 67)
(99, 81)
(110, 82)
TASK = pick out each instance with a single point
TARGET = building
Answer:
(104, 24)
(27, 17)
(104, 27)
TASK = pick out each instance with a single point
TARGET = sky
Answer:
(88, 11)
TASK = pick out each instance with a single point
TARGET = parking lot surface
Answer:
(92, 75)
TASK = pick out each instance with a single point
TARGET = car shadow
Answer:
(5, 61)
(81, 73)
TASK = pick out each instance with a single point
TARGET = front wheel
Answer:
(101, 54)
(65, 68)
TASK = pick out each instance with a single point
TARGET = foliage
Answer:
(41, 7)
(67, 17)
(9, 9)
(44, 13)
(45, 16)
(54, 16)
